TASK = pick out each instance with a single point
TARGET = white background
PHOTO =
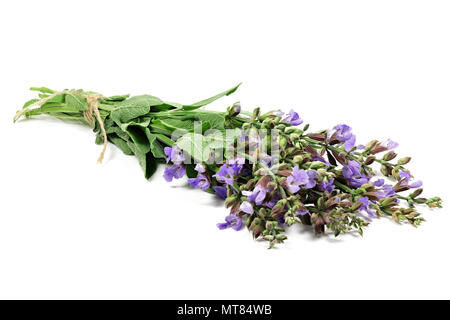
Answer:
(70, 228)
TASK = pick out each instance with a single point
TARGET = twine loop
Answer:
(93, 102)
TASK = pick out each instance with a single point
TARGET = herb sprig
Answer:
(270, 173)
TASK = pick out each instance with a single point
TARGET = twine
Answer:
(93, 101)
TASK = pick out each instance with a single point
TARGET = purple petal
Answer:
(200, 168)
(222, 226)
(168, 152)
(416, 184)
(221, 191)
(378, 183)
(246, 207)
(238, 224)
(350, 143)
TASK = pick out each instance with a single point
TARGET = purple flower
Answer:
(405, 177)
(366, 207)
(343, 133)
(386, 190)
(278, 113)
(272, 202)
(246, 207)
(174, 154)
(298, 178)
(312, 177)
(221, 191)
(265, 159)
(176, 171)
(389, 144)
(302, 212)
(225, 174)
(254, 140)
(257, 195)
(352, 172)
(293, 118)
(199, 182)
(236, 164)
(378, 183)
(200, 168)
(301, 178)
(327, 186)
(350, 143)
(231, 221)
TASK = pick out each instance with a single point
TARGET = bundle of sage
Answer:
(271, 172)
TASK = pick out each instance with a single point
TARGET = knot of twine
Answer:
(93, 102)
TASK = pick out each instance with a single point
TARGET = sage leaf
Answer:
(121, 144)
(209, 100)
(156, 147)
(75, 102)
(139, 136)
(42, 89)
(134, 107)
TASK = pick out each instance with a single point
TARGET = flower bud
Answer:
(230, 201)
(298, 159)
(283, 143)
(389, 202)
(255, 114)
(280, 126)
(372, 144)
(404, 161)
(370, 159)
(278, 209)
(262, 213)
(416, 193)
(271, 225)
(235, 109)
(368, 186)
(389, 156)
(386, 171)
(356, 206)
(317, 165)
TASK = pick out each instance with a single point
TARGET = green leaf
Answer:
(46, 108)
(175, 124)
(134, 107)
(156, 147)
(161, 107)
(139, 136)
(143, 122)
(150, 166)
(30, 102)
(56, 99)
(165, 140)
(190, 171)
(158, 127)
(209, 100)
(119, 132)
(146, 160)
(216, 120)
(75, 102)
(121, 144)
(116, 98)
(42, 89)
(195, 145)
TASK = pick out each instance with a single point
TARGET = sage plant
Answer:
(269, 169)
